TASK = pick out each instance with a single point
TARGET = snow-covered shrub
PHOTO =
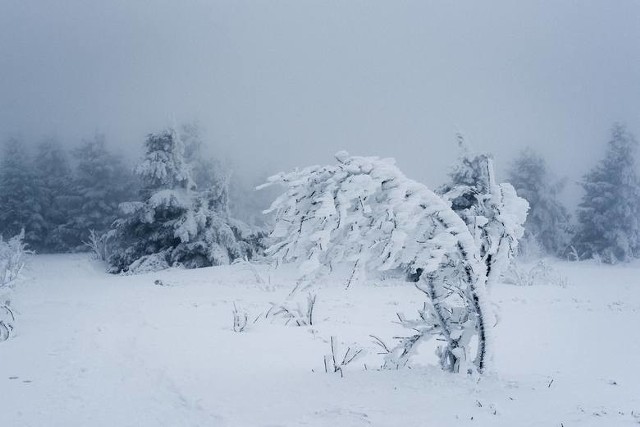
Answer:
(261, 282)
(12, 254)
(573, 254)
(98, 244)
(541, 273)
(530, 249)
(364, 212)
(175, 224)
(7, 320)
(298, 315)
(493, 212)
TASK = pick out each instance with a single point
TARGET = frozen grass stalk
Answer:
(334, 363)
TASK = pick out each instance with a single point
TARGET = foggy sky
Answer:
(278, 84)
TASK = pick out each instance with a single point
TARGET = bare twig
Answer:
(381, 344)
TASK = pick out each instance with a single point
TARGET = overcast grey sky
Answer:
(283, 83)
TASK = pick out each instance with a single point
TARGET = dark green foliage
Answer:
(54, 183)
(19, 205)
(102, 182)
(174, 223)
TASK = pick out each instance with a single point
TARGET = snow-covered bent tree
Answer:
(364, 211)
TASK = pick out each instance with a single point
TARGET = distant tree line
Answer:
(175, 207)
(57, 196)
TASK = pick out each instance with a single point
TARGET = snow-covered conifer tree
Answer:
(238, 195)
(54, 183)
(364, 212)
(207, 172)
(493, 212)
(174, 224)
(548, 223)
(19, 205)
(609, 214)
(102, 182)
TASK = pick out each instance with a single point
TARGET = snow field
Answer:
(94, 349)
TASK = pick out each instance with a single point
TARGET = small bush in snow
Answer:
(300, 315)
(12, 254)
(261, 282)
(542, 273)
(6, 321)
(98, 244)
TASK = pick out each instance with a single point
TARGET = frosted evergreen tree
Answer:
(54, 183)
(237, 196)
(207, 172)
(19, 205)
(548, 223)
(102, 182)
(609, 214)
(363, 212)
(174, 224)
(493, 212)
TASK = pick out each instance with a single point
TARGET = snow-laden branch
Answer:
(365, 211)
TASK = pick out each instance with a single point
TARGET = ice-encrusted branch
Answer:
(364, 211)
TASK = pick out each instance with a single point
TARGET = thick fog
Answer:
(278, 84)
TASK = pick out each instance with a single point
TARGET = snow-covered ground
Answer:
(99, 350)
